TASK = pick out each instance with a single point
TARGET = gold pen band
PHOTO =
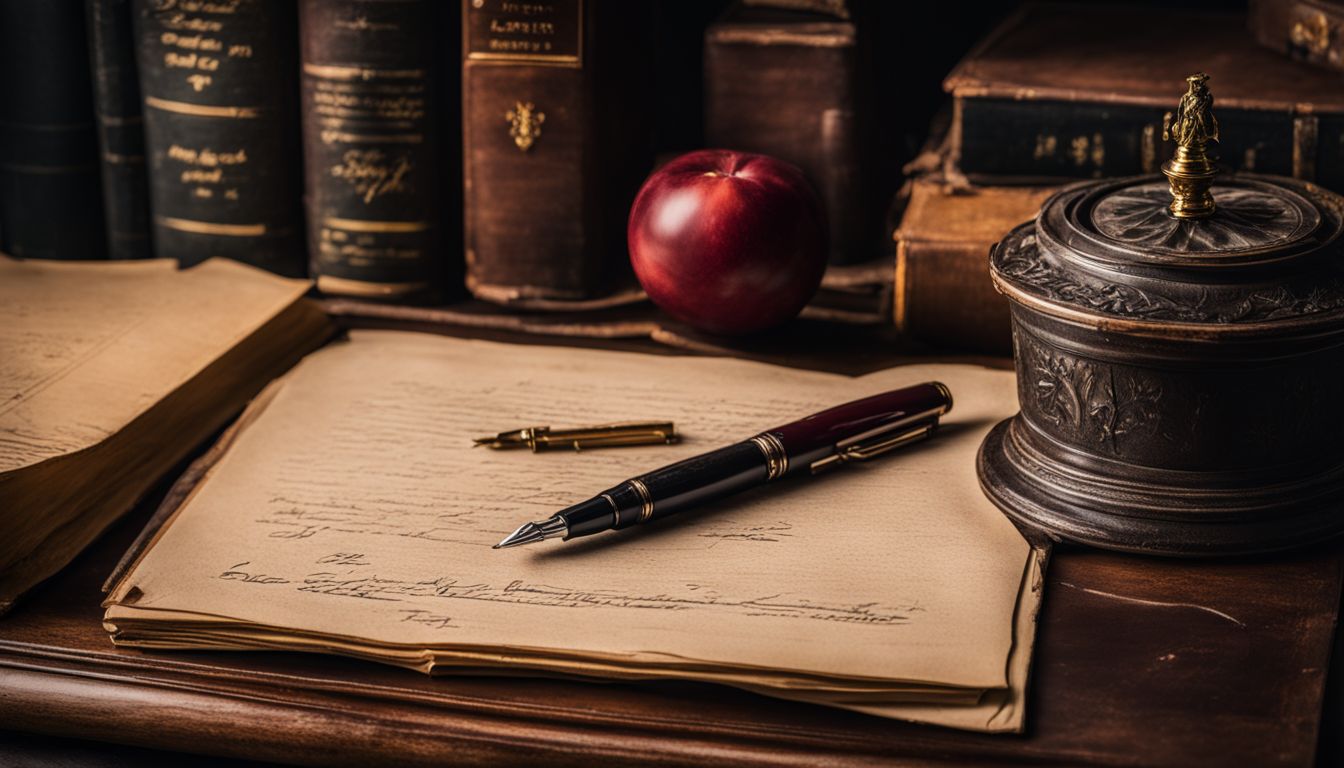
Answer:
(776, 459)
(646, 508)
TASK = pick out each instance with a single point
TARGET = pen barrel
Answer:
(688, 483)
(814, 436)
(856, 430)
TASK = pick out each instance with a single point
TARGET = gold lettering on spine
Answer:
(187, 41)
(546, 33)
(203, 170)
(372, 173)
(366, 146)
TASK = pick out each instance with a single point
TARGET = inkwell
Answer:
(1178, 344)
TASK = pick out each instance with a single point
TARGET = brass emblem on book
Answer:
(1311, 33)
(1191, 170)
(525, 124)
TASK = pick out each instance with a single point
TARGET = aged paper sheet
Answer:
(353, 515)
(86, 347)
(110, 373)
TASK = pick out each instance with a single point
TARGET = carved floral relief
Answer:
(1090, 402)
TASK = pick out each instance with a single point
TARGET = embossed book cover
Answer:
(556, 140)
(221, 130)
(371, 133)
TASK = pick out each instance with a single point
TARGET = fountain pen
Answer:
(855, 431)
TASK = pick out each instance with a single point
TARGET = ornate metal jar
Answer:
(1179, 346)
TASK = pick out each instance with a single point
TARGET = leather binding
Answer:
(371, 146)
(50, 199)
(943, 292)
(121, 131)
(1079, 91)
(221, 130)
(1306, 30)
(556, 140)
(790, 85)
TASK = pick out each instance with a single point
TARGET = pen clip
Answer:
(872, 446)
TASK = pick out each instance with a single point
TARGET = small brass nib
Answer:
(1191, 170)
(582, 438)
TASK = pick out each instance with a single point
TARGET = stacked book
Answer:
(112, 374)
(1065, 92)
(400, 150)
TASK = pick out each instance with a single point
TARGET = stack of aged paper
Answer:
(110, 373)
(350, 514)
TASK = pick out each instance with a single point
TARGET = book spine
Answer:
(1056, 139)
(50, 197)
(121, 132)
(553, 124)
(1307, 30)
(790, 90)
(943, 295)
(370, 145)
(221, 129)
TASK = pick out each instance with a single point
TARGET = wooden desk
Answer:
(1138, 662)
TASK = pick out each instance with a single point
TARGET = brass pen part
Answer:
(579, 438)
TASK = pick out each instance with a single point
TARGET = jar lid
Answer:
(1191, 254)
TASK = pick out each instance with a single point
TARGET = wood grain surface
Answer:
(1139, 662)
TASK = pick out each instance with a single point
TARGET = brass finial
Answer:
(1191, 170)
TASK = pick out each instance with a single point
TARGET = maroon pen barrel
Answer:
(887, 420)
(820, 431)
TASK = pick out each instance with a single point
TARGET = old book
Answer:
(943, 293)
(110, 373)
(371, 146)
(1307, 30)
(121, 131)
(556, 140)
(221, 130)
(793, 85)
(1080, 91)
(301, 538)
(51, 203)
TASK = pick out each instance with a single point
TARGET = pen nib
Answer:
(528, 533)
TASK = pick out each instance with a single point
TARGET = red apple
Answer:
(728, 242)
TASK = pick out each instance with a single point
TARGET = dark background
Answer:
(913, 45)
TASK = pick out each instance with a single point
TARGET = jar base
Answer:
(1155, 511)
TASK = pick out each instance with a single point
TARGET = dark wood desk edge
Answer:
(52, 695)
(55, 680)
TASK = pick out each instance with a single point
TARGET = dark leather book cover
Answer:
(792, 85)
(121, 131)
(218, 81)
(1080, 91)
(943, 292)
(556, 141)
(51, 203)
(371, 142)
(1306, 30)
